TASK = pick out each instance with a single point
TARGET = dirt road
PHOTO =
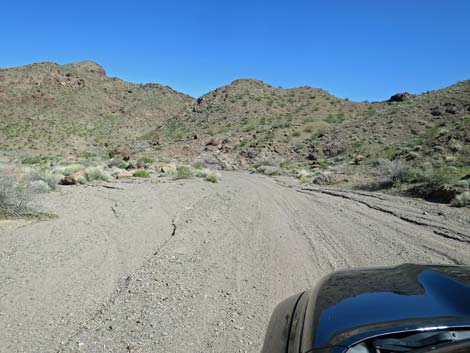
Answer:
(188, 266)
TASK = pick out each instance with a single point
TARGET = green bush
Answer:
(141, 173)
(184, 172)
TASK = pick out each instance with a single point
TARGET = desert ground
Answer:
(190, 266)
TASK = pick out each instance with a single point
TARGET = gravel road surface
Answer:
(189, 266)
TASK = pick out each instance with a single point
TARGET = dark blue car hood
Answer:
(352, 305)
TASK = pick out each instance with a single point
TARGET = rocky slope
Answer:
(48, 109)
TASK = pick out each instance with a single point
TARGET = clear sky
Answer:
(359, 49)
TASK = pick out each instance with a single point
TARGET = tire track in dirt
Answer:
(191, 266)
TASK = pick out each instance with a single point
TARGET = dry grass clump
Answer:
(167, 169)
(97, 173)
(304, 176)
(117, 162)
(208, 175)
(324, 178)
(184, 172)
(213, 177)
(45, 180)
(393, 173)
(15, 199)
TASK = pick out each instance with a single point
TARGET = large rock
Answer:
(72, 179)
(400, 97)
(123, 174)
(120, 153)
(333, 150)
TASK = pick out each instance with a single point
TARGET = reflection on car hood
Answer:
(352, 302)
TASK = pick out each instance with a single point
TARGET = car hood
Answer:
(348, 306)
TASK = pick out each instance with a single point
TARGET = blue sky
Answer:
(362, 50)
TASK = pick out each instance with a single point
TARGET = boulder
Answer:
(358, 159)
(123, 174)
(333, 150)
(72, 179)
(213, 142)
(68, 180)
(131, 165)
(120, 153)
(400, 97)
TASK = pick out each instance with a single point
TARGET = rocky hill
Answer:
(47, 108)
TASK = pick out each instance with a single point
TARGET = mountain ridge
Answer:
(47, 108)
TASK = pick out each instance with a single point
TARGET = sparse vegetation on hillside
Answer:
(410, 141)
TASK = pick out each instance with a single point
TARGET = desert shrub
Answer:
(40, 186)
(324, 178)
(438, 176)
(302, 173)
(213, 176)
(82, 179)
(15, 199)
(86, 154)
(146, 160)
(141, 173)
(123, 165)
(394, 172)
(114, 162)
(184, 172)
(308, 129)
(97, 173)
(168, 169)
(50, 178)
(465, 184)
(335, 119)
(304, 176)
(33, 160)
(296, 133)
(199, 165)
(462, 200)
(268, 162)
(68, 169)
(201, 173)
